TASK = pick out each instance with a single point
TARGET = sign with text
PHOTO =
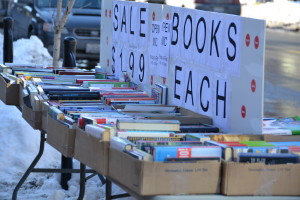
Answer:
(212, 63)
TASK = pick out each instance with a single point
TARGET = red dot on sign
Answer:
(253, 85)
(153, 16)
(164, 80)
(151, 80)
(256, 42)
(107, 63)
(247, 40)
(243, 111)
(109, 13)
(168, 16)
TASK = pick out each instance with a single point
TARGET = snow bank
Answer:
(27, 51)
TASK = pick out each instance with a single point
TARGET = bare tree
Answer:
(58, 27)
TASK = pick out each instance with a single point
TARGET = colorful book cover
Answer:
(160, 153)
(282, 126)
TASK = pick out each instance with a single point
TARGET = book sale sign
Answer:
(212, 63)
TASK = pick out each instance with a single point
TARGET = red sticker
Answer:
(153, 16)
(256, 42)
(184, 153)
(164, 80)
(243, 111)
(168, 16)
(253, 85)
(247, 40)
(151, 80)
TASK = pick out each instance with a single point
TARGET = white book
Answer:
(120, 143)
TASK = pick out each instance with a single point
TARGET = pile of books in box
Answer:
(143, 126)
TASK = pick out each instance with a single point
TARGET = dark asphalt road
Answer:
(282, 74)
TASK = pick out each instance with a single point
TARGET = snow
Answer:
(19, 144)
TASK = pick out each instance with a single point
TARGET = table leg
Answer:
(31, 167)
(82, 182)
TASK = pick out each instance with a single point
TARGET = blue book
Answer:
(161, 153)
(292, 143)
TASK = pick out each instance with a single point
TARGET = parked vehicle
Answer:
(223, 6)
(3, 9)
(36, 17)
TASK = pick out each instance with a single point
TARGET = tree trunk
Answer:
(56, 48)
(58, 27)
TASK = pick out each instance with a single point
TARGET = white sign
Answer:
(212, 63)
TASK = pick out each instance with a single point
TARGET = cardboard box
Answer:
(61, 137)
(159, 178)
(33, 118)
(260, 179)
(91, 151)
(9, 93)
(281, 138)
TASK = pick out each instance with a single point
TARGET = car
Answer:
(3, 9)
(37, 17)
(222, 6)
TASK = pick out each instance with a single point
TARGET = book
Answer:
(199, 128)
(121, 143)
(98, 132)
(196, 137)
(140, 133)
(234, 137)
(138, 138)
(226, 149)
(282, 126)
(108, 100)
(191, 160)
(156, 95)
(268, 158)
(55, 113)
(163, 92)
(148, 146)
(148, 124)
(73, 95)
(109, 84)
(245, 149)
(161, 153)
(257, 143)
(139, 154)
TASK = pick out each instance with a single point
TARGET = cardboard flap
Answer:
(9, 92)
(61, 137)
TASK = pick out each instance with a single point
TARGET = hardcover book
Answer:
(148, 124)
(268, 158)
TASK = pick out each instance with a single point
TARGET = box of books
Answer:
(164, 178)
(33, 118)
(9, 92)
(61, 137)
(260, 179)
(91, 151)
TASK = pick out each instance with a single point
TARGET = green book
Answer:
(257, 143)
